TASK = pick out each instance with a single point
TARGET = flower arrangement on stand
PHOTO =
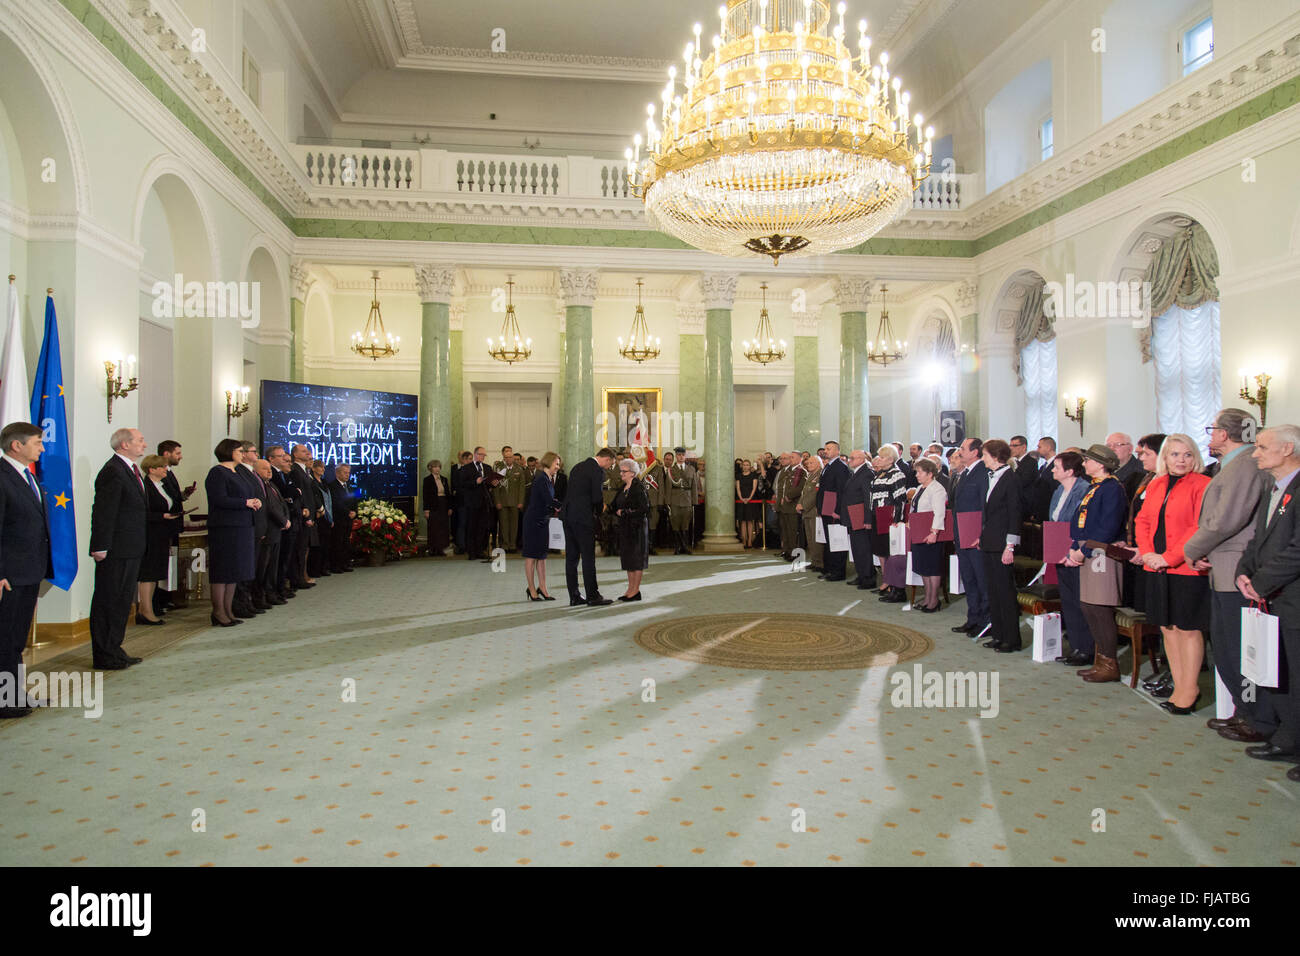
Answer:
(381, 531)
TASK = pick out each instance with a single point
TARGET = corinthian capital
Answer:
(719, 289)
(300, 278)
(968, 291)
(852, 293)
(578, 286)
(435, 282)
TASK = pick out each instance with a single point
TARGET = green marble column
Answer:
(577, 431)
(853, 294)
(435, 285)
(456, 388)
(968, 361)
(807, 389)
(719, 415)
(300, 280)
(690, 383)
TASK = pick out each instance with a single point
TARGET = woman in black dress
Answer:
(162, 515)
(632, 508)
(437, 510)
(537, 523)
(748, 488)
(231, 553)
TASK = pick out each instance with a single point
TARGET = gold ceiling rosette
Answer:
(782, 141)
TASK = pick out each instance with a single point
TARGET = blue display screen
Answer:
(374, 432)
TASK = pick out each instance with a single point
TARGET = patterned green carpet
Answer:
(486, 729)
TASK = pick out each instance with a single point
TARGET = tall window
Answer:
(1045, 138)
(1189, 370)
(1198, 46)
(1038, 368)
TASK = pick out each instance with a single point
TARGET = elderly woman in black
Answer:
(631, 506)
(161, 521)
(888, 490)
(231, 552)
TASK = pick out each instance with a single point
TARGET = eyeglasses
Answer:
(1211, 429)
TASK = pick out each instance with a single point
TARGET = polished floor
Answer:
(489, 730)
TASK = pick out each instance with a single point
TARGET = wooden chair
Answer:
(1132, 624)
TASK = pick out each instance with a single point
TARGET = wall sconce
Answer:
(115, 387)
(1077, 414)
(235, 408)
(1260, 398)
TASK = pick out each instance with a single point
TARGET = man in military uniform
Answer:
(508, 496)
(681, 497)
(806, 508)
(789, 483)
(656, 486)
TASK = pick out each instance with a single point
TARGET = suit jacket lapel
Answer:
(1291, 489)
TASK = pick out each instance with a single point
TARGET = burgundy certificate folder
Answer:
(921, 523)
(971, 522)
(857, 517)
(1056, 541)
(884, 518)
(828, 504)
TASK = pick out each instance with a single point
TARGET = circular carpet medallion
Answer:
(784, 642)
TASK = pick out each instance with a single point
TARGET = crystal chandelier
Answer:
(511, 347)
(882, 355)
(782, 142)
(639, 344)
(764, 348)
(373, 340)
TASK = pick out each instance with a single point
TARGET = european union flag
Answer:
(55, 466)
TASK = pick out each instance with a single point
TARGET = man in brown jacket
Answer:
(1225, 529)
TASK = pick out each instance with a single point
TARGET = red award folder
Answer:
(857, 517)
(829, 499)
(1050, 577)
(884, 518)
(970, 523)
(921, 523)
(1056, 541)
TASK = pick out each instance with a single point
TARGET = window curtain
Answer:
(1182, 274)
(1032, 324)
(1038, 364)
(1189, 369)
(945, 358)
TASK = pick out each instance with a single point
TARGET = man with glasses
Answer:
(1130, 469)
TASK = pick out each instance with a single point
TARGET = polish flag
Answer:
(15, 395)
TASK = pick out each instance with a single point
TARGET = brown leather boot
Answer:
(1088, 670)
(1105, 671)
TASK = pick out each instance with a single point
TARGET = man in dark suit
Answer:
(318, 557)
(291, 494)
(117, 543)
(835, 476)
(170, 450)
(250, 599)
(857, 491)
(582, 501)
(476, 480)
(969, 487)
(1044, 485)
(24, 553)
(1269, 570)
(277, 525)
(999, 538)
(344, 503)
(311, 508)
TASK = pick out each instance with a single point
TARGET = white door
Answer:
(751, 423)
(518, 417)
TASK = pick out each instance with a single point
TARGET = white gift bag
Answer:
(954, 576)
(173, 571)
(1047, 638)
(1259, 647)
(821, 531)
(839, 537)
(1224, 705)
(555, 533)
(897, 539)
(913, 580)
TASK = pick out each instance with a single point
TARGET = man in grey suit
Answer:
(1225, 528)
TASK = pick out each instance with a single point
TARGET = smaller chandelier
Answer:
(879, 351)
(511, 346)
(765, 348)
(374, 341)
(639, 345)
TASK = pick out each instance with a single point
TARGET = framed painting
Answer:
(630, 416)
(875, 429)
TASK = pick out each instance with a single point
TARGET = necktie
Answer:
(32, 481)
(1272, 504)
(138, 477)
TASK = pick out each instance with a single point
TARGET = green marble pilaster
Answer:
(690, 390)
(807, 394)
(435, 382)
(719, 434)
(968, 367)
(578, 401)
(456, 389)
(854, 400)
(297, 339)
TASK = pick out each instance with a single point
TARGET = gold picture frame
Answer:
(621, 409)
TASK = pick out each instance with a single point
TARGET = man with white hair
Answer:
(1270, 571)
(117, 543)
(1130, 468)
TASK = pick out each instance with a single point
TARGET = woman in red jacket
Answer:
(1177, 595)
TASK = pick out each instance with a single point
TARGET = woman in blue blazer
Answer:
(1102, 516)
(1072, 485)
(537, 519)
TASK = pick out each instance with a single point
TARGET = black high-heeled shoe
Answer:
(1173, 708)
(529, 594)
(546, 597)
(634, 597)
(930, 610)
(149, 623)
(217, 623)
